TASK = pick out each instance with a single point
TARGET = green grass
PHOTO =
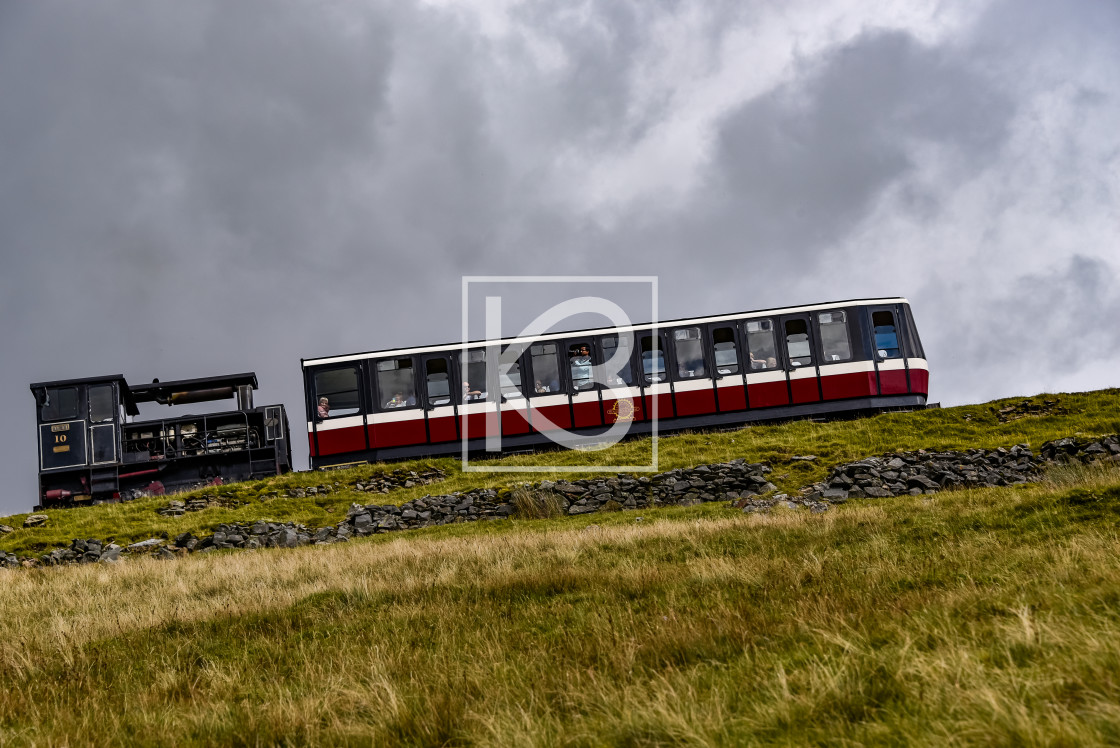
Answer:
(1092, 413)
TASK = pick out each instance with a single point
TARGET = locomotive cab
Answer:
(79, 423)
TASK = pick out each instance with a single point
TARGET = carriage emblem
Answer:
(623, 410)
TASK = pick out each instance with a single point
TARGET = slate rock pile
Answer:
(86, 551)
(382, 483)
(684, 487)
(1072, 449)
(1028, 408)
(925, 472)
(194, 504)
(249, 535)
(386, 482)
(921, 472)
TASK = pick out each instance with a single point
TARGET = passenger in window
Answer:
(470, 394)
(324, 410)
(757, 363)
(581, 367)
(771, 363)
(396, 401)
(539, 388)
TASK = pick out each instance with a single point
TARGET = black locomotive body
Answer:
(91, 449)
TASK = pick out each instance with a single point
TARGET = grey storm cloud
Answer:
(798, 167)
(200, 188)
(1050, 324)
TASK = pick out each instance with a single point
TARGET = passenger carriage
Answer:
(821, 360)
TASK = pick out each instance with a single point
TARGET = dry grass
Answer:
(536, 503)
(986, 616)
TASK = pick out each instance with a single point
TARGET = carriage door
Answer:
(478, 413)
(103, 425)
(730, 392)
(797, 332)
(548, 405)
(766, 377)
(439, 398)
(586, 412)
(654, 375)
(694, 392)
(889, 360)
(515, 409)
(621, 396)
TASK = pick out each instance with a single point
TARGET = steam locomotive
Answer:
(91, 449)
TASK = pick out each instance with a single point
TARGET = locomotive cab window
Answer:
(761, 346)
(546, 371)
(886, 335)
(616, 360)
(653, 361)
(689, 349)
(396, 386)
(797, 343)
(439, 382)
(337, 393)
(579, 363)
(726, 354)
(834, 336)
(101, 403)
(60, 404)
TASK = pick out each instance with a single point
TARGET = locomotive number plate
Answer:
(60, 427)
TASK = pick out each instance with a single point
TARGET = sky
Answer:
(192, 189)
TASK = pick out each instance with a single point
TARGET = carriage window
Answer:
(546, 372)
(723, 344)
(579, 363)
(761, 346)
(511, 379)
(886, 334)
(396, 386)
(101, 403)
(834, 336)
(914, 343)
(474, 376)
(61, 404)
(336, 393)
(439, 381)
(797, 342)
(690, 353)
(618, 374)
(653, 360)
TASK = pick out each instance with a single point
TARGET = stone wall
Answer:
(743, 484)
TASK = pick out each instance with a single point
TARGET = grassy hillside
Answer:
(986, 616)
(981, 426)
